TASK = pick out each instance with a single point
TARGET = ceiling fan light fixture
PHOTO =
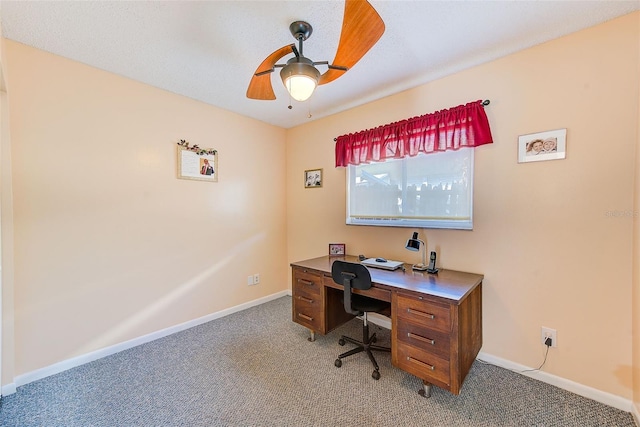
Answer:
(300, 78)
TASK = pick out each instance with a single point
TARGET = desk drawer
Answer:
(423, 365)
(425, 313)
(374, 292)
(308, 312)
(306, 282)
(429, 340)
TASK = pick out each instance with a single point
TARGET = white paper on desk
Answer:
(389, 265)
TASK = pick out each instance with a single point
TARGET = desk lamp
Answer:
(413, 244)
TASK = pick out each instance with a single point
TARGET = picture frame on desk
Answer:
(337, 249)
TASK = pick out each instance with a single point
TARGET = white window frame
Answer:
(398, 220)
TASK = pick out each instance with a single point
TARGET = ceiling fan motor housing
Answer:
(299, 65)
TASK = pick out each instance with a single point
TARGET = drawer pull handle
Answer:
(307, 300)
(305, 317)
(424, 365)
(420, 313)
(421, 338)
(305, 282)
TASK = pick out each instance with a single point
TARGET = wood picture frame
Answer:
(540, 146)
(199, 167)
(337, 249)
(313, 178)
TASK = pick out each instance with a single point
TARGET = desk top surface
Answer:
(449, 284)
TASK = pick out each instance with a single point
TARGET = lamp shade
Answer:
(300, 78)
(413, 244)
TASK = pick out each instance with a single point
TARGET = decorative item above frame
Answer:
(197, 163)
(548, 145)
(313, 178)
(336, 249)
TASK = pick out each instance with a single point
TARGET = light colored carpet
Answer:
(256, 368)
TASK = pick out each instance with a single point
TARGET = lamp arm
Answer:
(424, 252)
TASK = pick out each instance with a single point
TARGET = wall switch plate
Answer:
(250, 280)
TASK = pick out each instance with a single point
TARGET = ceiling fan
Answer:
(362, 27)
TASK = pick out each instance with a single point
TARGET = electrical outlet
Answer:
(549, 333)
(250, 280)
(256, 279)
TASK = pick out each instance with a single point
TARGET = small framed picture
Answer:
(313, 178)
(336, 249)
(549, 145)
(193, 165)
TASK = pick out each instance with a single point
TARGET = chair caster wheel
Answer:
(341, 341)
(374, 339)
(375, 375)
(338, 363)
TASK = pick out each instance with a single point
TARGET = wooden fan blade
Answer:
(260, 86)
(362, 27)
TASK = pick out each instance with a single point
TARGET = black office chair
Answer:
(356, 276)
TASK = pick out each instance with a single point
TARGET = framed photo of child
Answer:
(548, 145)
(337, 249)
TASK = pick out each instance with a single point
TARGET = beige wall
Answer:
(6, 232)
(109, 245)
(636, 263)
(550, 254)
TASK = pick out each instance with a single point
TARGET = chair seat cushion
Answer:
(362, 303)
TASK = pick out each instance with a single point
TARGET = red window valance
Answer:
(450, 129)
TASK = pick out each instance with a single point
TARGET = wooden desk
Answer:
(436, 319)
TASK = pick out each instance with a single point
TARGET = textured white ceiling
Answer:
(208, 50)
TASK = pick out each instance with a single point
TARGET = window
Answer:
(426, 191)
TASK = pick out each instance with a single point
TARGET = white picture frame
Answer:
(540, 146)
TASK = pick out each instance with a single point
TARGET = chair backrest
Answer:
(350, 275)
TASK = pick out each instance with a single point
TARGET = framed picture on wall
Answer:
(313, 178)
(337, 249)
(548, 145)
(201, 166)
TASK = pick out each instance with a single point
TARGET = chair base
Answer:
(363, 346)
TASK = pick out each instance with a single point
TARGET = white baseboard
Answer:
(636, 414)
(107, 351)
(563, 383)
(8, 389)
(379, 320)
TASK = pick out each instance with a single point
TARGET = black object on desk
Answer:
(431, 268)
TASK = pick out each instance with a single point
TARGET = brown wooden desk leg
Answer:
(426, 390)
(312, 337)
